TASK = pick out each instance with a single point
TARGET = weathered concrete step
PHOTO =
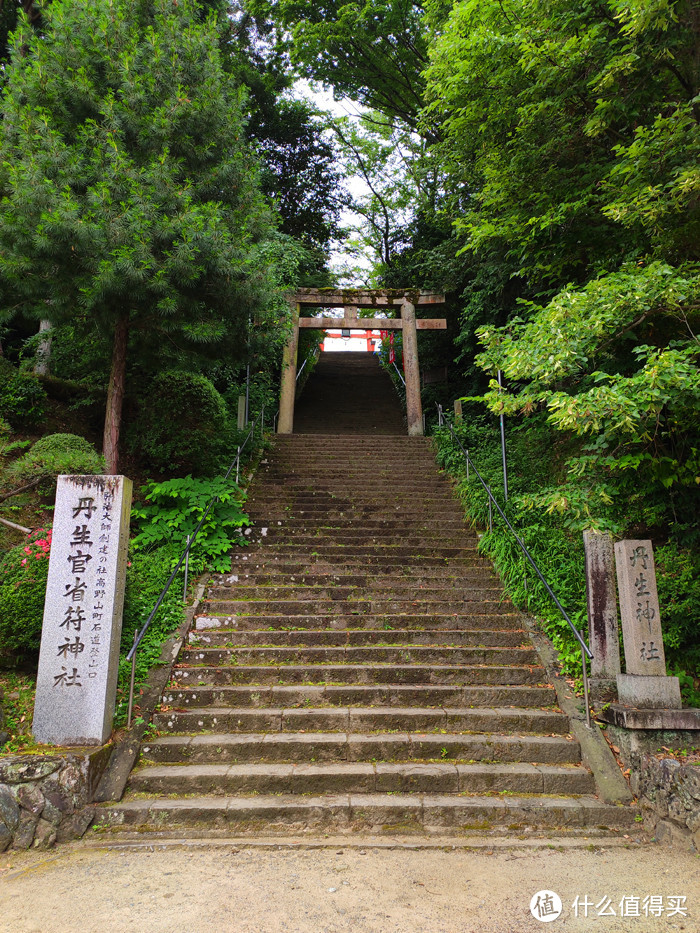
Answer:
(385, 563)
(350, 538)
(258, 567)
(362, 778)
(273, 509)
(367, 524)
(290, 548)
(355, 637)
(338, 746)
(460, 674)
(288, 697)
(375, 812)
(472, 585)
(376, 607)
(362, 719)
(360, 622)
(402, 589)
(354, 654)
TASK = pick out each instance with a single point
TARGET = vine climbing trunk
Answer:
(115, 395)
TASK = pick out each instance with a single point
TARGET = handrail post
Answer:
(187, 567)
(585, 687)
(503, 443)
(238, 467)
(488, 491)
(131, 683)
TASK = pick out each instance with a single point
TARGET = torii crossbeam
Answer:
(351, 300)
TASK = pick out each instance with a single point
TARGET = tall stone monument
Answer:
(645, 685)
(601, 598)
(79, 657)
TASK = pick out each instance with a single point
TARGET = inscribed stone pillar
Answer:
(645, 683)
(601, 598)
(411, 369)
(458, 411)
(79, 657)
(288, 383)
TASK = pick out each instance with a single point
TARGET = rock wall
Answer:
(669, 796)
(45, 799)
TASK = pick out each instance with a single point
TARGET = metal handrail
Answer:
(315, 353)
(184, 558)
(585, 650)
(393, 363)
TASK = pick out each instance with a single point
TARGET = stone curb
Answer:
(595, 751)
(126, 751)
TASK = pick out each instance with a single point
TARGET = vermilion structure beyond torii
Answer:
(351, 300)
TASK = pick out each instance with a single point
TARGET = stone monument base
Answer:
(641, 731)
(649, 692)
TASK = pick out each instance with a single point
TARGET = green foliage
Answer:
(23, 574)
(172, 511)
(372, 51)
(52, 456)
(146, 575)
(678, 578)
(22, 399)
(130, 202)
(557, 551)
(18, 705)
(181, 424)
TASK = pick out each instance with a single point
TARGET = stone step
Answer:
(287, 697)
(473, 586)
(268, 559)
(353, 637)
(312, 747)
(367, 524)
(362, 719)
(371, 813)
(460, 674)
(357, 655)
(470, 571)
(360, 622)
(376, 607)
(361, 778)
(351, 538)
(401, 589)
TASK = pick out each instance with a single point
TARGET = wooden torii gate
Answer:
(351, 300)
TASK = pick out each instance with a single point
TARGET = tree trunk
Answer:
(43, 351)
(115, 395)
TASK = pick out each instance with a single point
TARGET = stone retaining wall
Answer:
(45, 799)
(669, 796)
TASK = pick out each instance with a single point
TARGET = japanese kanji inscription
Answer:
(78, 662)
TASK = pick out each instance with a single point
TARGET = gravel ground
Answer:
(203, 888)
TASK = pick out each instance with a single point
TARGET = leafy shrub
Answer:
(23, 574)
(53, 455)
(181, 424)
(678, 579)
(146, 575)
(22, 399)
(174, 508)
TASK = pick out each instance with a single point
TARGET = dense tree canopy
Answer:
(130, 200)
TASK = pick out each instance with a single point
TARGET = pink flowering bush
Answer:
(23, 574)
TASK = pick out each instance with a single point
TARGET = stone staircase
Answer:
(360, 670)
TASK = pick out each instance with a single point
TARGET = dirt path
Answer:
(216, 889)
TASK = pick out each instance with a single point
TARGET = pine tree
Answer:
(129, 196)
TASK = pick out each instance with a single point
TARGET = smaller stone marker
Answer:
(645, 685)
(79, 656)
(241, 412)
(458, 411)
(601, 598)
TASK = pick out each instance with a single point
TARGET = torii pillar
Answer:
(349, 300)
